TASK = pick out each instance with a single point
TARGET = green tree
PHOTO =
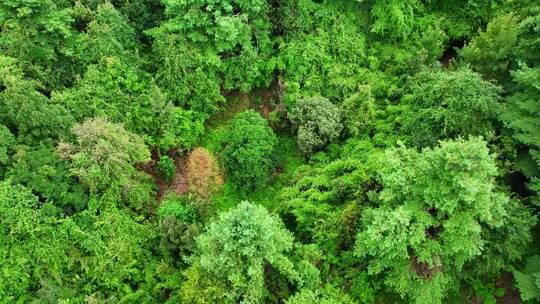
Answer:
(112, 88)
(250, 145)
(324, 296)
(41, 170)
(522, 116)
(317, 121)
(25, 109)
(166, 167)
(358, 110)
(189, 76)
(28, 254)
(35, 32)
(448, 104)
(490, 53)
(521, 113)
(108, 34)
(238, 31)
(104, 156)
(438, 213)
(7, 145)
(238, 247)
(393, 18)
(528, 281)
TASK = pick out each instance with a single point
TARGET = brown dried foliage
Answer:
(203, 173)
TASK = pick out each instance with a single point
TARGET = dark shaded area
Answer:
(451, 52)
(518, 183)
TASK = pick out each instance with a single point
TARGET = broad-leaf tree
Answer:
(438, 212)
(317, 122)
(238, 248)
(448, 104)
(249, 149)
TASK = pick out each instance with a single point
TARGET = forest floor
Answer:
(511, 295)
(178, 184)
(287, 159)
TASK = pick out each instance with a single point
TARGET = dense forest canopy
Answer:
(269, 151)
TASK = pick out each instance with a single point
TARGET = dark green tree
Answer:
(7, 145)
(249, 149)
(317, 122)
(448, 104)
(25, 109)
(528, 281)
(41, 170)
(521, 113)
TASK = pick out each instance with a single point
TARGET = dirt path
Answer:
(178, 184)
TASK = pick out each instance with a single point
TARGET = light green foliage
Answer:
(189, 76)
(317, 121)
(528, 281)
(461, 19)
(27, 251)
(175, 127)
(7, 144)
(50, 259)
(238, 30)
(330, 62)
(326, 296)
(249, 149)
(316, 199)
(362, 218)
(237, 248)
(118, 253)
(490, 52)
(358, 110)
(41, 171)
(434, 216)
(110, 87)
(431, 38)
(108, 34)
(448, 104)
(322, 207)
(177, 206)
(201, 287)
(35, 32)
(393, 18)
(24, 108)
(113, 88)
(166, 167)
(104, 155)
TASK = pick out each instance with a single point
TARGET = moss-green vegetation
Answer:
(269, 151)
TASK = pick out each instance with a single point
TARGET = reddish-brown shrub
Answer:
(203, 174)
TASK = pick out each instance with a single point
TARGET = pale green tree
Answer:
(439, 211)
(237, 249)
(104, 156)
